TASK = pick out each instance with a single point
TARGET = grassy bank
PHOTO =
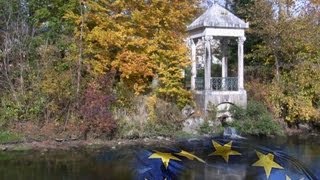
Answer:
(9, 137)
(148, 118)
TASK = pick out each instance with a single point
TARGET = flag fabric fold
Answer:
(218, 158)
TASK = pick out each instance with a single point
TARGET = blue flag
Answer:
(218, 158)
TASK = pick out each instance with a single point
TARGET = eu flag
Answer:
(218, 158)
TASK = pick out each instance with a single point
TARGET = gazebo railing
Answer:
(219, 83)
(224, 84)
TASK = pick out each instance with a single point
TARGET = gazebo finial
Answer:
(211, 2)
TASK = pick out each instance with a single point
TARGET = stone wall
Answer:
(218, 98)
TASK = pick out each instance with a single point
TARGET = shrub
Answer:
(150, 116)
(255, 120)
(125, 96)
(152, 129)
(29, 107)
(168, 114)
(164, 118)
(9, 110)
(205, 128)
(128, 130)
(183, 135)
(96, 108)
(212, 112)
(210, 127)
(134, 130)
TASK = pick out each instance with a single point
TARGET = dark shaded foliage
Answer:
(255, 120)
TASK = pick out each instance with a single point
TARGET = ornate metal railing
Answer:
(224, 84)
(219, 83)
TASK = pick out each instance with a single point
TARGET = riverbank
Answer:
(49, 145)
(93, 144)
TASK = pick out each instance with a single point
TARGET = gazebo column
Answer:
(193, 65)
(240, 63)
(207, 73)
(224, 73)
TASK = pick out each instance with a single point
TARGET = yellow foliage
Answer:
(297, 96)
(139, 39)
(151, 105)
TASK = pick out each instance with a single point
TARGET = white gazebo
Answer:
(209, 35)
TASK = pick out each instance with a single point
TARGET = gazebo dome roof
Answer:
(217, 17)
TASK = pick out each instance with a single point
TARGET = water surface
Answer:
(120, 163)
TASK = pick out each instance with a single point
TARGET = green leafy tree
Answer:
(287, 41)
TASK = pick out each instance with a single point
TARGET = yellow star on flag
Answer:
(266, 161)
(224, 151)
(165, 157)
(189, 156)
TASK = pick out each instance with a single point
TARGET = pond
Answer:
(293, 158)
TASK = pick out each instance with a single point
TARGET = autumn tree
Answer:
(141, 41)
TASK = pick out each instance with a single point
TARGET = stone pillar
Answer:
(207, 73)
(224, 73)
(193, 65)
(240, 63)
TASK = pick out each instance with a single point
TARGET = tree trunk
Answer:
(80, 50)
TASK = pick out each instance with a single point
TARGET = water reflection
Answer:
(119, 163)
(62, 165)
